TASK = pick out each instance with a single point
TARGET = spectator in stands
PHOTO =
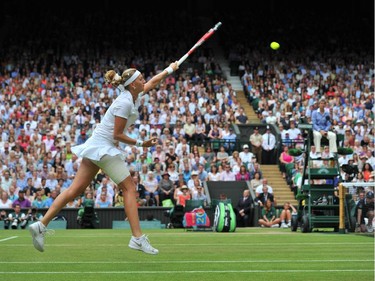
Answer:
(209, 155)
(227, 174)
(296, 180)
(194, 176)
(6, 180)
(269, 218)
(213, 174)
(366, 171)
(202, 173)
(189, 129)
(173, 173)
(214, 136)
(138, 186)
(182, 147)
(230, 140)
(246, 156)
(241, 117)
(313, 153)
(21, 200)
(98, 152)
(119, 199)
(103, 201)
(183, 196)
(284, 159)
(107, 189)
(166, 188)
(222, 155)
(199, 194)
(256, 180)
(159, 153)
(293, 130)
(5, 202)
(264, 195)
(50, 198)
(151, 190)
(243, 174)
(200, 132)
(255, 168)
(243, 209)
(326, 153)
(321, 127)
(234, 158)
(256, 141)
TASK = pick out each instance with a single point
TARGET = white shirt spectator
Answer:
(227, 174)
(259, 189)
(246, 156)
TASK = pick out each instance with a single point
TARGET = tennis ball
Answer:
(275, 45)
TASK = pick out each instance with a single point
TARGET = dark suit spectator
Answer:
(263, 196)
(243, 209)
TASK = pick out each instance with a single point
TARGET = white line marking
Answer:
(180, 261)
(9, 238)
(184, 271)
(206, 245)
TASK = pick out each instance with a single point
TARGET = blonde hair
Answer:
(114, 79)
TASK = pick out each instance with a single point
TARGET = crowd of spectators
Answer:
(315, 63)
(53, 94)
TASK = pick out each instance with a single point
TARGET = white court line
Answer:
(9, 238)
(180, 261)
(183, 271)
(208, 244)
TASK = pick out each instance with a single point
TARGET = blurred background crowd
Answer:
(52, 91)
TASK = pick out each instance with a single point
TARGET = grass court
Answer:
(247, 254)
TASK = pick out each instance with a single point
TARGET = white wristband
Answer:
(169, 69)
(139, 143)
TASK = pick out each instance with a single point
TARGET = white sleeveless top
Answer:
(102, 142)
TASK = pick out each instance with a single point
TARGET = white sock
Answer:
(138, 238)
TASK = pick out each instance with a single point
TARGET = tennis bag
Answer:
(225, 218)
(196, 218)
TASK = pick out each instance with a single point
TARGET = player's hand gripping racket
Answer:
(200, 42)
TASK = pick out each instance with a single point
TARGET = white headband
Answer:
(132, 78)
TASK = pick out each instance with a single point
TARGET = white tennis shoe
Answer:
(142, 244)
(38, 231)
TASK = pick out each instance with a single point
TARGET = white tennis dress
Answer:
(101, 141)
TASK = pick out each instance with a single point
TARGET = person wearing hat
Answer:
(194, 176)
(246, 156)
(321, 121)
(183, 195)
(166, 188)
(365, 211)
(362, 161)
(256, 141)
(268, 147)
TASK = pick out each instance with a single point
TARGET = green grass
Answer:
(247, 254)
